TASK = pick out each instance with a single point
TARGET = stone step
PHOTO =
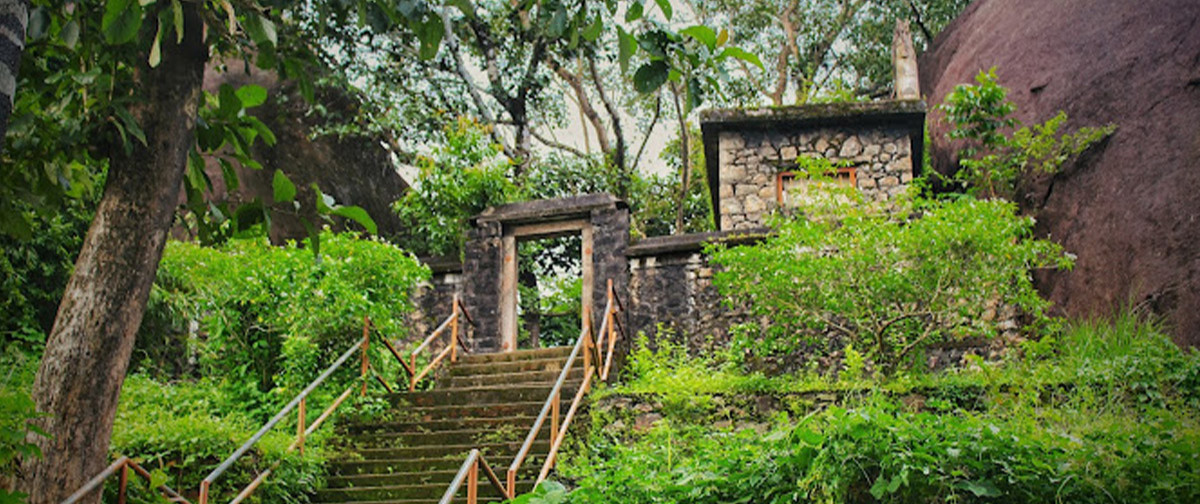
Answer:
(493, 450)
(436, 477)
(410, 492)
(504, 367)
(526, 377)
(494, 394)
(439, 425)
(537, 353)
(414, 467)
(498, 410)
(505, 432)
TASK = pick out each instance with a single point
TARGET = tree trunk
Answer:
(14, 17)
(89, 347)
(685, 162)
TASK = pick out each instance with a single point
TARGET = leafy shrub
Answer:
(997, 163)
(1037, 439)
(462, 178)
(888, 286)
(272, 316)
(182, 431)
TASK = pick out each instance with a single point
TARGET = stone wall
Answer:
(432, 299)
(671, 283)
(748, 150)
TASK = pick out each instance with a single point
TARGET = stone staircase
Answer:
(486, 401)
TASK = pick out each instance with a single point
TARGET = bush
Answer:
(271, 317)
(1067, 426)
(182, 431)
(886, 285)
(997, 162)
(459, 180)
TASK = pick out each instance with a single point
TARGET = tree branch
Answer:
(637, 161)
(613, 113)
(585, 104)
(558, 145)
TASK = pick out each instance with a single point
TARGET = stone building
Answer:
(751, 153)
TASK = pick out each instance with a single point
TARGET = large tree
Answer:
(89, 347)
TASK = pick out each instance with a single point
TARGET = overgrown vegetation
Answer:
(1002, 153)
(1105, 412)
(888, 284)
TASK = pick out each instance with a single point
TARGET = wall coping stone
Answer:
(693, 242)
(442, 264)
(548, 209)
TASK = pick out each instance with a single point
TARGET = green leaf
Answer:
(252, 95)
(703, 34)
(70, 34)
(594, 30)
(156, 47)
(627, 45)
(121, 22)
(262, 30)
(357, 214)
(263, 131)
(228, 174)
(741, 54)
(131, 124)
(230, 104)
(558, 24)
(177, 11)
(982, 488)
(430, 35)
(285, 190)
(665, 6)
(650, 76)
(633, 12)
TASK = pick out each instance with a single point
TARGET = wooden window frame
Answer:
(847, 173)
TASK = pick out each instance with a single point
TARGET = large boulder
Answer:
(1130, 209)
(354, 169)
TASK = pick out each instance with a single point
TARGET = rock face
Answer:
(355, 170)
(1130, 209)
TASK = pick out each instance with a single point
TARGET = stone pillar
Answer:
(483, 258)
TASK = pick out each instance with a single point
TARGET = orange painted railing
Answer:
(597, 356)
(451, 349)
(299, 404)
(124, 465)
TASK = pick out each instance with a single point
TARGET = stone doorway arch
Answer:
(490, 257)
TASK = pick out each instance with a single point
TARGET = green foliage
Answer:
(17, 411)
(270, 316)
(182, 431)
(1036, 439)
(887, 285)
(997, 162)
(33, 273)
(463, 177)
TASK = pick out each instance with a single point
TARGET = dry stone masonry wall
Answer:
(751, 152)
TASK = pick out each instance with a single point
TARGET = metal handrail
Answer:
(590, 349)
(469, 473)
(123, 464)
(456, 342)
(302, 432)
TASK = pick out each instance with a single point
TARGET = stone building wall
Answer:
(671, 283)
(747, 150)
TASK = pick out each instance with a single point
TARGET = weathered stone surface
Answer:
(355, 169)
(1130, 210)
(850, 148)
(743, 181)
